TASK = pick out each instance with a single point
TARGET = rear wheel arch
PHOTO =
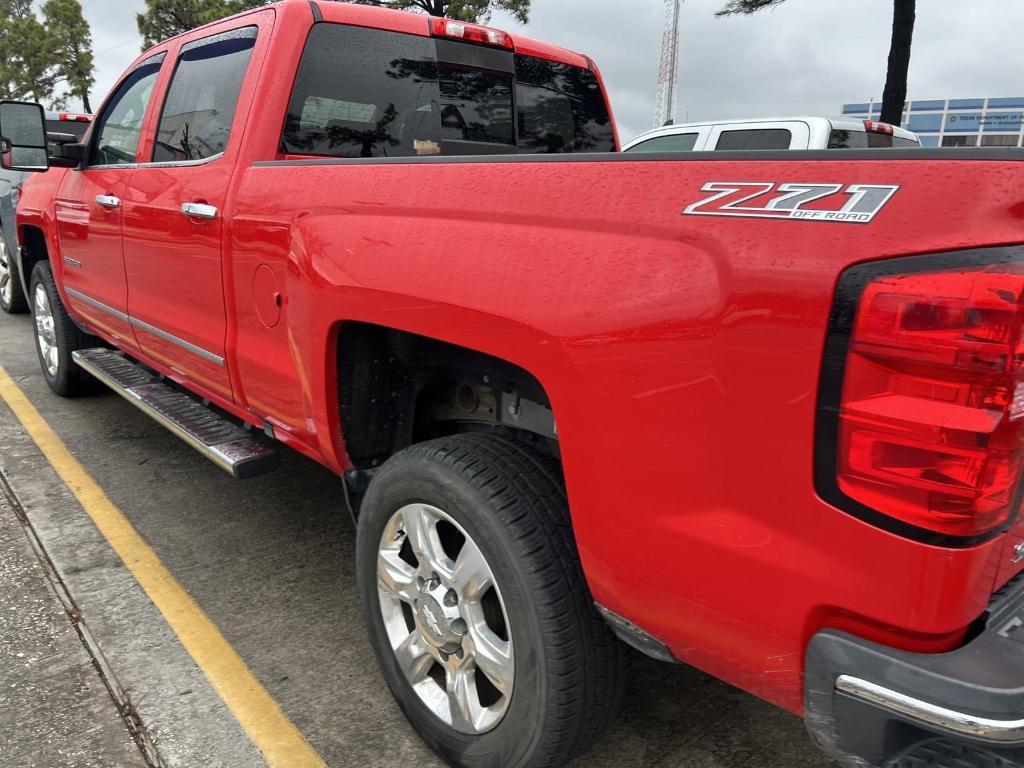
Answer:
(394, 389)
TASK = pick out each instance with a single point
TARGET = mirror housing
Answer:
(23, 137)
(65, 151)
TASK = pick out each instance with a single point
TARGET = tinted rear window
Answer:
(851, 139)
(73, 127)
(755, 138)
(372, 93)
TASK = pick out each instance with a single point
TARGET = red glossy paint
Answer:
(681, 354)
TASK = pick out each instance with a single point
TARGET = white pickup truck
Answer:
(775, 134)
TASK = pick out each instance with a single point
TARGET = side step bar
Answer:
(229, 446)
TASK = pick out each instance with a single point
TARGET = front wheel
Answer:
(12, 298)
(477, 608)
(56, 336)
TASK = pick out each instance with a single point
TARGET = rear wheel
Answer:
(56, 336)
(12, 298)
(477, 607)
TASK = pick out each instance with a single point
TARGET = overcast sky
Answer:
(804, 57)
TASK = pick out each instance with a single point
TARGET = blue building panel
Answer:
(1003, 122)
(930, 141)
(964, 122)
(966, 104)
(1011, 103)
(927, 123)
(927, 106)
(856, 109)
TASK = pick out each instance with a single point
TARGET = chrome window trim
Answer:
(181, 163)
(108, 167)
(998, 731)
(142, 325)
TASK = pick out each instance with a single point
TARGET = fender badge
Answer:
(854, 204)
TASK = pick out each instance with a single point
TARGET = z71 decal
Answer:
(855, 204)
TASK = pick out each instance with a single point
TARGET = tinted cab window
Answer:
(117, 132)
(755, 138)
(679, 142)
(372, 93)
(200, 104)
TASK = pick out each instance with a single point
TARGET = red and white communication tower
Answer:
(668, 78)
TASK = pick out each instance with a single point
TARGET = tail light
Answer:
(472, 33)
(873, 126)
(74, 118)
(923, 395)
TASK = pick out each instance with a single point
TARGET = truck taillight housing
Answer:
(472, 33)
(921, 421)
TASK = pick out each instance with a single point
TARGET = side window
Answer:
(369, 93)
(560, 108)
(117, 131)
(679, 142)
(201, 101)
(755, 138)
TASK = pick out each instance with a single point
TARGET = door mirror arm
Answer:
(65, 151)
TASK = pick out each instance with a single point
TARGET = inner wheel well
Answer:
(396, 389)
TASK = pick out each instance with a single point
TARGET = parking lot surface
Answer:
(227, 617)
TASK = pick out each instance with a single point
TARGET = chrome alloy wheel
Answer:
(46, 333)
(6, 282)
(445, 618)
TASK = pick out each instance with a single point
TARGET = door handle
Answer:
(199, 211)
(108, 201)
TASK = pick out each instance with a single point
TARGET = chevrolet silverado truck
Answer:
(755, 412)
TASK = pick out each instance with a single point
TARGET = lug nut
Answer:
(451, 599)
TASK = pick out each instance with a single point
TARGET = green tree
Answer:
(167, 18)
(904, 18)
(465, 10)
(69, 47)
(26, 70)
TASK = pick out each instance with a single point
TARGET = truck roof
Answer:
(412, 23)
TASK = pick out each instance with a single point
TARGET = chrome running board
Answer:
(226, 444)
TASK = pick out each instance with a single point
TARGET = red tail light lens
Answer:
(472, 33)
(873, 126)
(928, 424)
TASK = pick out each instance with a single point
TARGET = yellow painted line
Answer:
(281, 743)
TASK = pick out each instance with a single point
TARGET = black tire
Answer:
(12, 300)
(570, 668)
(68, 380)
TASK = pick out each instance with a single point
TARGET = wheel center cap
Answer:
(433, 617)
(440, 624)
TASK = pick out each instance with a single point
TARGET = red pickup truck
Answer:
(759, 413)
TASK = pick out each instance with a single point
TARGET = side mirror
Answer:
(23, 137)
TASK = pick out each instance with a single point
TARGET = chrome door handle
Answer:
(108, 201)
(199, 211)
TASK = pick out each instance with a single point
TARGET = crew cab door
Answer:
(767, 136)
(89, 206)
(174, 212)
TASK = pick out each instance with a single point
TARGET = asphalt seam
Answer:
(118, 694)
